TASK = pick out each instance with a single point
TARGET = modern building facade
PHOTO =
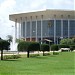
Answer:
(48, 24)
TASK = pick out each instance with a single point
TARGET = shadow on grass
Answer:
(11, 60)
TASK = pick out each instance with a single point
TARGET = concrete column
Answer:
(15, 30)
(61, 28)
(54, 31)
(25, 27)
(31, 29)
(19, 31)
(36, 28)
(41, 29)
(68, 28)
(21, 28)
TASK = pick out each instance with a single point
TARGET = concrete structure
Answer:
(47, 24)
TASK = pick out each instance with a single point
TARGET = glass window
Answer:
(51, 28)
(72, 28)
(28, 29)
(45, 28)
(58, 28)
(33, 28)
(23, 29)
(65, 28)
(39, 28)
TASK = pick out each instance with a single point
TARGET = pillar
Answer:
(41, 28)
(68, 28)
(36, 28)
(61, 28)
(25, 27)
(31, 28)
(54, 31)
(15, 30)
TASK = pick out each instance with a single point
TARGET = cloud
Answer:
(36, 4)
(6, 7)
(15, 6)
(61, 4)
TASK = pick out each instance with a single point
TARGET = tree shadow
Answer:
(11, 60)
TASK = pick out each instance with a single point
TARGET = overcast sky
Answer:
(16, 6)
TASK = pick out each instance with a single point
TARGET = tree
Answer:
(4, 45)
(54, 47)
(44, 47)
(68, 41)
(28, 46)
(9, 37)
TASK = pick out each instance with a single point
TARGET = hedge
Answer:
(34, 46)
(54, 48)
(72, 47)
(44, 47)
(63, 46)
(28, 46)
(23, 46)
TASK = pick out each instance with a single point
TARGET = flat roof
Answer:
(48, 13)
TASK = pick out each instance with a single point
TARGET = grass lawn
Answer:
(62, 64)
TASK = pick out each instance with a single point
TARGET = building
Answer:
(47, 24)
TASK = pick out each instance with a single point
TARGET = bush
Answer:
(23, 46)
(46, 54)
(34, 55)
(34, 46)
(72, 47)
(4, 45)
(63, 46)
(44, 47)
(28, 46)
(11, 57)
(55, 53)
(54, 47)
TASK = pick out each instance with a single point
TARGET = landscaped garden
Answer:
(48, 62)
(62, 64)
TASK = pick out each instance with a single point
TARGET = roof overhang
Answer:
(46, 14)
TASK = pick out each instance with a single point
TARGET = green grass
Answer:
(62, 64)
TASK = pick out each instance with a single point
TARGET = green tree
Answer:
(54, 47)
(9, 37)
(68, 41)
(44, 47)
(28, 46)
(4, 45)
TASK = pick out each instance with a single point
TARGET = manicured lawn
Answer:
(62, 64)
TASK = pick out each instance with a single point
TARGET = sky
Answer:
(8, 7)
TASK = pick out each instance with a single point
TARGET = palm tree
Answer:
(9, 37)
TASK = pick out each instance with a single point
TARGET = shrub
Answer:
(54, 47)
(44, 47)
(34, 46)
(4, 45)
(28, 46)
(46, 54)
(55, 53)
(23, 46)
(34, 55)
(63, 46)
(72, 47)
(11, 57)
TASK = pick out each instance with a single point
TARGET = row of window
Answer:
(48, 28)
